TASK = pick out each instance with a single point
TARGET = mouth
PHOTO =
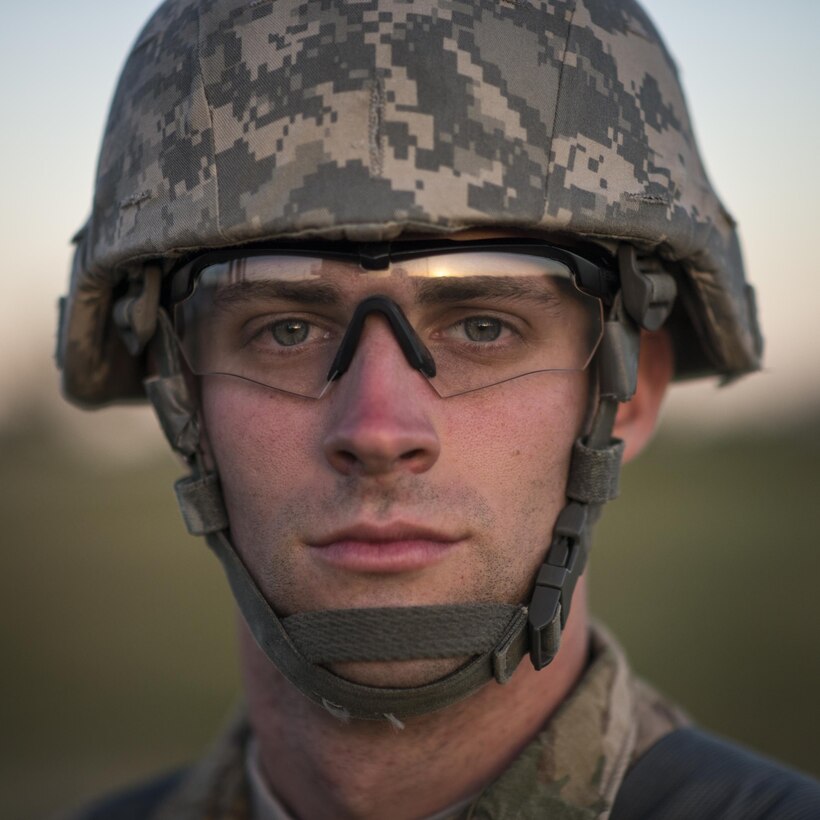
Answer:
(395, 548)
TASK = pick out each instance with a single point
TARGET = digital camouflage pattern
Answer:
(245, 120)
(571, 771)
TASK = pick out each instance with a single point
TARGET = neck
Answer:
(322, 768)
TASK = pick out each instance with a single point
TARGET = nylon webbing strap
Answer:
(392, 634)
(169, 396)
(168, 392)
(342, 697)
(495, 636)
(594, 472)
(200, 502)
(513, 645)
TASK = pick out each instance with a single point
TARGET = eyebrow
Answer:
(308, 293)
(427, 291)
(431, 291)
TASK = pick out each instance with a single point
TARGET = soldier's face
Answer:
(382, 493)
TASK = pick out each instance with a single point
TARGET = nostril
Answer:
(374, 458)
(344, 461)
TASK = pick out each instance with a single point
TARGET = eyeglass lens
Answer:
(485, 317)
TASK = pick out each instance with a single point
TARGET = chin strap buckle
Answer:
(551, 598)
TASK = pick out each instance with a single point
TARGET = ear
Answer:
(637, 419)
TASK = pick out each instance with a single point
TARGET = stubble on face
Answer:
(493, 482)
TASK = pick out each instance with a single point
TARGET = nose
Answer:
(380, 422)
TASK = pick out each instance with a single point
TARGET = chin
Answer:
(397, 674)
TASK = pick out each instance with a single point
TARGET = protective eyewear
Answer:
(466, 314)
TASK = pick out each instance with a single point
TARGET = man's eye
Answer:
(289, 332)
(482, 328)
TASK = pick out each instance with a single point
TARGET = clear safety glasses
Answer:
(466, 314)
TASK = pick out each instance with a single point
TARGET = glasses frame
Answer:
(594, 275)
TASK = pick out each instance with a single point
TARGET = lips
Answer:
(397, 547)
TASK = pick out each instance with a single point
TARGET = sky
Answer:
(750, 70)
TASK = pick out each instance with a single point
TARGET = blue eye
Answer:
(289, 332)
(482, 328)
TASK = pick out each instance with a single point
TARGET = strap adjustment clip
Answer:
(649, 291)
(550, 602)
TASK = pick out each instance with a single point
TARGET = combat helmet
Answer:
(237, 122)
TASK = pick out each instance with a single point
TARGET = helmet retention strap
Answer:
(490, 638)
(593, 480)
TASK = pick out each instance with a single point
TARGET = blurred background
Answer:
(117, 629)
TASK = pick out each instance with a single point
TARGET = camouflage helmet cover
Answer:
(238, 121)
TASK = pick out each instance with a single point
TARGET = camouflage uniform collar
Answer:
(571, 771)
(574, 768)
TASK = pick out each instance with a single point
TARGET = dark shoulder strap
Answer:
(136, 803)
(690, 774)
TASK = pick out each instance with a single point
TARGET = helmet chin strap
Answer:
(488, 639)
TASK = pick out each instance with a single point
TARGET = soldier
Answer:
(384, 269)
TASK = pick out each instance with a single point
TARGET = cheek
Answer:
(517, 429)
(252, 446)
(507, 438)
(507, 448)
(516, 446)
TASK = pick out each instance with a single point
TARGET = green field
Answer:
(117, 627)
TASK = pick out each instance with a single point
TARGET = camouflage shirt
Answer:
(571, 771)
